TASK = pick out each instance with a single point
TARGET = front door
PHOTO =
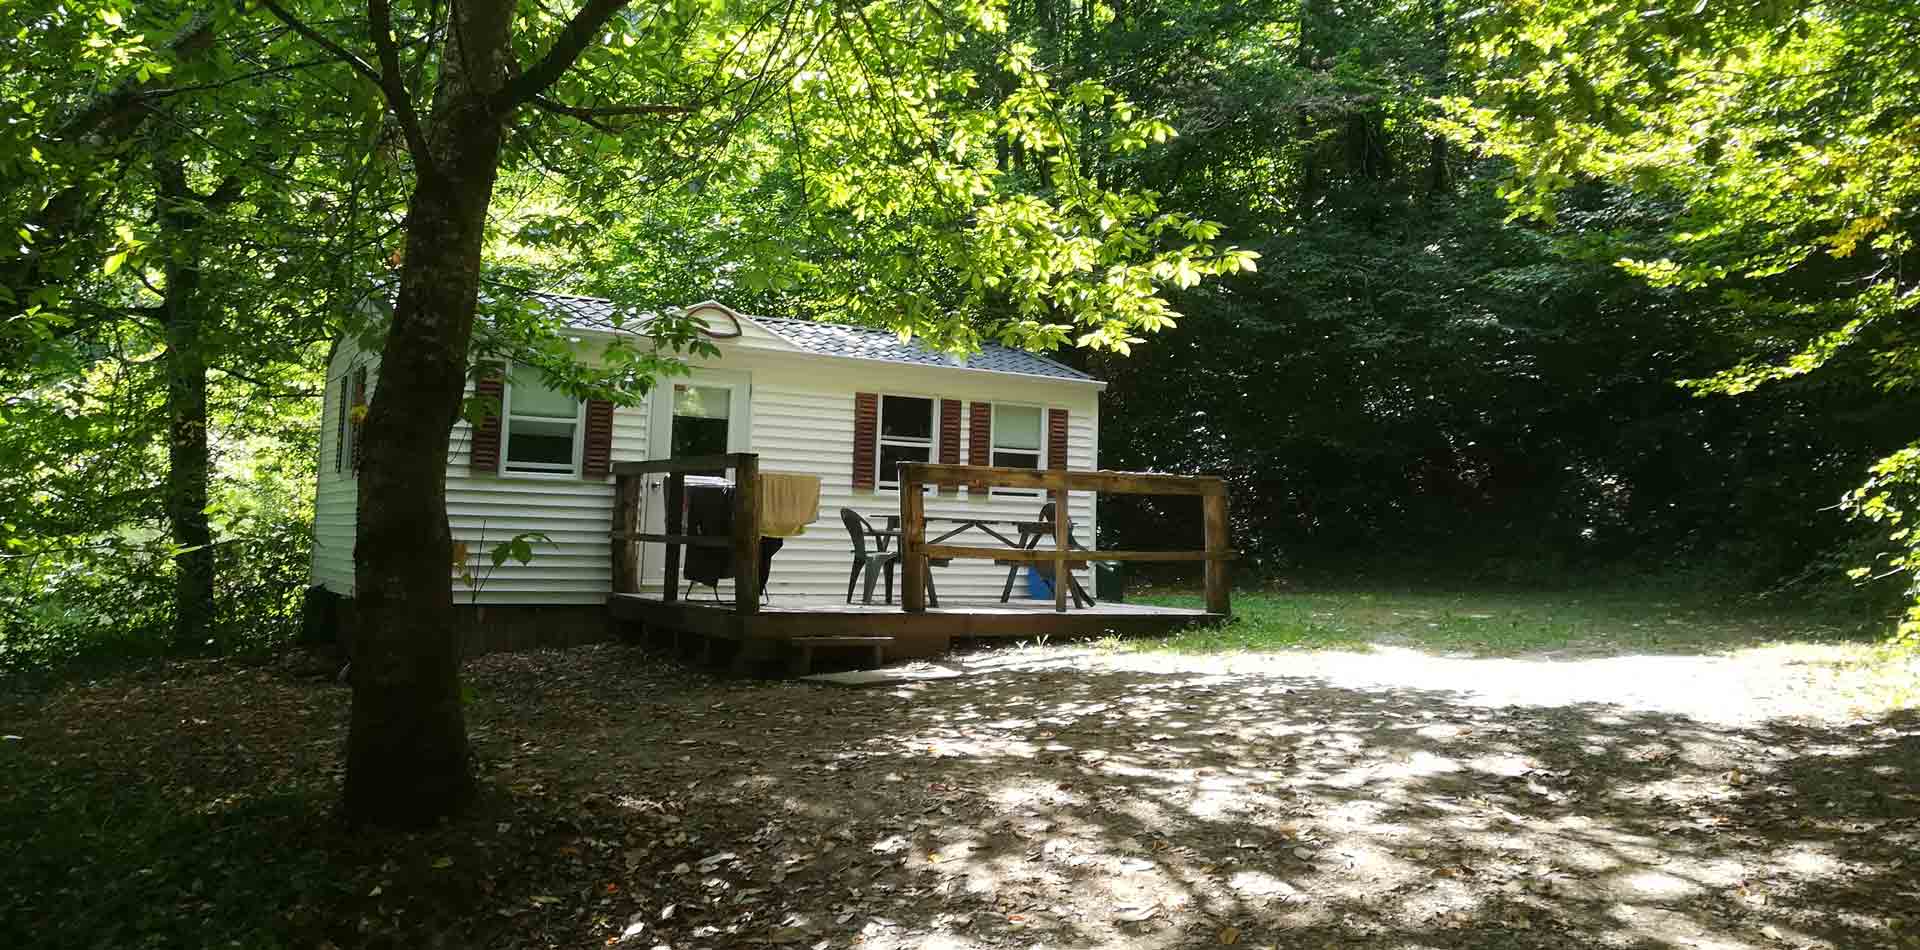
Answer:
(703, 414)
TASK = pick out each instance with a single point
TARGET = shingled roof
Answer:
(587, 313)
(839, 339)
(835, 339)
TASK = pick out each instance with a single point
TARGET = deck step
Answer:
(801, 662)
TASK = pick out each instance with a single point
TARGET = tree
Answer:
(1783, 134)
(1092, 258)
(166, 212)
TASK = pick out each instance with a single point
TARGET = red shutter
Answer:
(597, 455)
(979, 441)
(949, 439)
(1056, 438)
(485, 440)
(866, 438)
(359, 421)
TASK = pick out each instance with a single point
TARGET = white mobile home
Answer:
(843, 403)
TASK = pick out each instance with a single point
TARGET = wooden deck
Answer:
(793, 627)
(797, 627)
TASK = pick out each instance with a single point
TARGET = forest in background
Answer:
(1486, 268)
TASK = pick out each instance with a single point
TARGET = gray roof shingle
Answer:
(586, 313)
(835, 339)
(839, 339)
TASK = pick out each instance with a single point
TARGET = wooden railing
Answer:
(915, 551)
(743, 541)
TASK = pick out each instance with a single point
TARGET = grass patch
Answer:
(1503, 624)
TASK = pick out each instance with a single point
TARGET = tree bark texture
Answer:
(407, 756)
(189, 462)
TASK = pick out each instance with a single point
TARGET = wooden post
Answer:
(676, 523)
(746, 534)
(913, 537)
(626, 520)
(1213, 509)
(1062, 536)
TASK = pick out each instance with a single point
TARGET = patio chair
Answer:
(1030, 535)
(875, 559)
(872, 561)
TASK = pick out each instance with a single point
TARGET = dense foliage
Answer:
(1419, 382)
(1781, 137)
(1490, 248)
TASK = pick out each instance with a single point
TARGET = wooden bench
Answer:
(800, 663)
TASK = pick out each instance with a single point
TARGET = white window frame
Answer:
(541, 469)
(994, 448)
(885, 480)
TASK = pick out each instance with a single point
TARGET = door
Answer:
(703, 414)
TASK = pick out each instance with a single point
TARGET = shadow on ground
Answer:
(637, 803)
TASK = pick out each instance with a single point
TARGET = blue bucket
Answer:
(1038, 587)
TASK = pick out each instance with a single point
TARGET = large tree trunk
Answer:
(182, 215)
(407, 744)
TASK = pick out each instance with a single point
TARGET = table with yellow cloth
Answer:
(788, 503)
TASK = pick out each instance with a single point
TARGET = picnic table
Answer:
(988, 526)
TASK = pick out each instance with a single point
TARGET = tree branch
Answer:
(243, 77)
(314, 36)
(573, 40)
(593, 115)
(272, 389)
(392, 84)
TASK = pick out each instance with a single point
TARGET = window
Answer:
(542, 426)
(906, 435)
(342, 449)
(700, 416)
(1019, 440)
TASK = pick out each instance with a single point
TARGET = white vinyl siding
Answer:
(805, 424)
(337, 492)
(574, 565)
(800, 419)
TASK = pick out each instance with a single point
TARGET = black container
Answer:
(1110, 582)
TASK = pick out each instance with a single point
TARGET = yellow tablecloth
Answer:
(788, 503)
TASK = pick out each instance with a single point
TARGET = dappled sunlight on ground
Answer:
(1081, 798)
(1739, 686)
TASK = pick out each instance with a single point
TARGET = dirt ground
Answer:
(1052, 798)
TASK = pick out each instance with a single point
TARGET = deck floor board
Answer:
(785, 618)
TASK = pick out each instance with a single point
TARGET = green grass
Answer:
(1503, 624)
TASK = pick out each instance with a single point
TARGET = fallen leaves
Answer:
(636, 811)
